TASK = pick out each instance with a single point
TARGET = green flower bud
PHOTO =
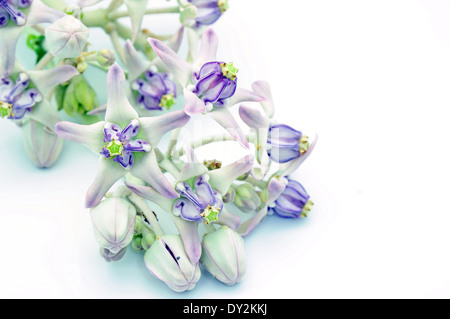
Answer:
(105, 58)
(224, 256)
(78, 97)
(41, 145)
(148, 238)
(247, 199)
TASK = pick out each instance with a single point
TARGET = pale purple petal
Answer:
(45, 114)
(130, 131)
(178, 67)
(119, 109)
(40, 13)
(222, 178)
(208, 49)
(189, 234)
(89, 135)
(288, 168)
(204, 191)
(262, 88)
(136, 64)
(193, 105)
(244, 95)
(156, 127)
(152, 195)
(136, 11)
(46, 80)
(148, 170)
(282, 154)
(253, 118)
(250, 224)
(108, 173)
(175, 41)
(9, 37)
(224, 118)
(228, 219)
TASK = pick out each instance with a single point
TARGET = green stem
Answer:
(258, 183)
(118, 15)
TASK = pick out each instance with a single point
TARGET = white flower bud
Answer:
(113, 222)
(42, 146)
(167, 260)
(224, 255)
(66, 37)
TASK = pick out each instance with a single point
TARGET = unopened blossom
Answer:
(167, 260)
(66, 37)
(293, 202)
(15, 15)
(203, 197)
(284, 143)
(124, 142)
(246, 198)
(209, 85)
(224, 256)
(208, 11)
(113, 223)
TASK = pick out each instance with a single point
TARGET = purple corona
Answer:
(294, 201)
(119, 144)
(215, 82)
(9, 9)
(16, 100)
(209, 11)
(199, 203)
(155, 91)
(285, 143)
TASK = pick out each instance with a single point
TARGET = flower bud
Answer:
(113, 221)
(246, 198)
(109, 256)
(105, 58)
(78, 97)
(224, 255)
(66, 37)
(167, 260)
(143, 237)
(293, 202)
(41, 145)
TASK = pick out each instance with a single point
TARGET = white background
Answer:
(372, 78)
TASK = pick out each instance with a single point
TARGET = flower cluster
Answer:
(156, 93)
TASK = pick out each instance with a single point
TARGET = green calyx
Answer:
(304, 144)
(211, 214)
(115, 148)
(167, 100)
(306, 209)
(229, 70)
(223, 5)
(5, 109)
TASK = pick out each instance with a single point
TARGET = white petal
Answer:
(290, 167)
(46, 80)
(251, 223)
(208, 49)
(188, 231)
(136, 64)
(222, 178)
(156, 127)
(193, 105)
(109, 172)
(147, 169)
(193, 167)
(9, 37)
(45, 114)
(152, 195)
(223, 117)
(244, 95)
(262, 88)
(40, 13)
(89, 135)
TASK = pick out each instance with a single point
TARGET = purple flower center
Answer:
(119, 143)
(216, 82)
(294, 202)
(209, 11)
(155, 91)
(15, 99)
(9, 10)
